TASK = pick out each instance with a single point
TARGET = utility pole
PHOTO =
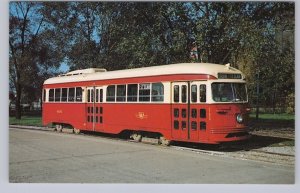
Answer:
(257, 95)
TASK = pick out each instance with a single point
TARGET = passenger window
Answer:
(57, 95)
(157, 92)
(144, 92)
(78, 94)
(121, 92)
(194, 93)
(183, 93)
(202, 93)
(176, 93)
(110, 93)
(51, 95)
(64, 94)
(44, 95)
(89, 95)
(132, 92)
(101, 95)
(97, 95)
(71, 95)
(92, 96)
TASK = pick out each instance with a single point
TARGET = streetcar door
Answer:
(98, 111)
(180, 110)
(94, 108)
(198, 110)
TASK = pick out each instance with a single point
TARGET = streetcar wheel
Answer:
(76, 131)
(58, 128)
(136, 137)
(163, 141)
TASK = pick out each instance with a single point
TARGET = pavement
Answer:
(39, 156)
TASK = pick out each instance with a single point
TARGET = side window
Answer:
(202, 93)
(71, 95)
(132, 92)
(176, 93)
(121, 92)
(101, 95)
(89, 95)
(110, 93)
(97, 95)
(194, 93)
(157, 92)
(44, 95)
(64, 94)
(92, 95)
(57, 95)
(183, 93)
(51, 95)
(144, 92)
(78, 94)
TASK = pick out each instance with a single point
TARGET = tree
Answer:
(31, 51)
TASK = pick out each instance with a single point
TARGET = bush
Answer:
(290, 101)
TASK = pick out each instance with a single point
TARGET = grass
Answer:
(269, 116)
(26, 120)
(288, 142)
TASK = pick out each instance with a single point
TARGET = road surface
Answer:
(49, 157)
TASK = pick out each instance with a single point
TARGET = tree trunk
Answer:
(18, 101)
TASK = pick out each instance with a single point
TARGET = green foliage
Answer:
(253, 36)
(291, 103)
(26, 120)
(32, 53)
(278, 117)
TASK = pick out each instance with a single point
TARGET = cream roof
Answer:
(181, 68)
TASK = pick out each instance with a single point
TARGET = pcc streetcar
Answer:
(191, 102)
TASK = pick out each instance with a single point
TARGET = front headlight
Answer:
(239, 118)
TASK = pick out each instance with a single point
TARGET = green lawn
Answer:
(26, 120)
(283, 116)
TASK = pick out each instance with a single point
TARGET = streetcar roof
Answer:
(171, 69)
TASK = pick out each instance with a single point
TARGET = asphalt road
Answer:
(49, 157)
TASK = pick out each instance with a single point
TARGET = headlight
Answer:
(239, 118)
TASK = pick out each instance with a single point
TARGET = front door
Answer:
(180, 110)
(94, 109)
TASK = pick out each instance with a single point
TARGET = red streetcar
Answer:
(191, 102)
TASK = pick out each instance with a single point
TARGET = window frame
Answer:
(161, 93)
(114, 93)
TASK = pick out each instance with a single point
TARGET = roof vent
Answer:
(84, 71)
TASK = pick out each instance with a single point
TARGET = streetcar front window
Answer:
(229, 92)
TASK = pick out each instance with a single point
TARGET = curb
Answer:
(30, 127)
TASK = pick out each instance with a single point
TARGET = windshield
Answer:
(229, 92)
